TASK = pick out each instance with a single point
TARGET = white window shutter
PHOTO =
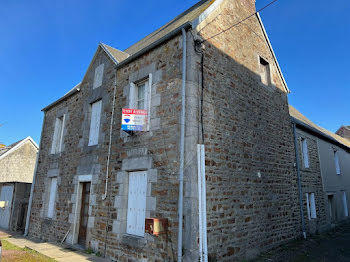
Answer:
(52, 197)
(95, 122)
(148, 100)
(345, 204)
(137, 203)
(308, 206)
(98, 76)
(54, 139)
(132, 95)
(305, 153)
(61, 133)
(336, 161)
(313, 205)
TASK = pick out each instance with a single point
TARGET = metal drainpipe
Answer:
(299, 179)
(182, 146)
(110, 136)
(29, 210)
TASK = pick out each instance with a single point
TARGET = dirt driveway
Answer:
(332, 246)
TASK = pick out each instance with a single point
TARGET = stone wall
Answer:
(311, 181)
(252, 197)
(155, 151)
(19, 165)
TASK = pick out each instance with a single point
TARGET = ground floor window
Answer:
(52, 197)
(311, 205)
(345, 203)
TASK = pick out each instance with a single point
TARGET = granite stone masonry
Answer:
(84, 179)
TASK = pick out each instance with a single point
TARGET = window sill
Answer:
(136, 241)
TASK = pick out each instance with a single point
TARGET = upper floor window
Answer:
(336, 161)
(265, 71)
(311, 205)
(141, 95)
(98, 76)
(305, 152)
(57, 139)
(95, 122)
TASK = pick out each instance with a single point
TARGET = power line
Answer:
(223, 31)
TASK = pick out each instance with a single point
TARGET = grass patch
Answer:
(8, 246)
(12, 253)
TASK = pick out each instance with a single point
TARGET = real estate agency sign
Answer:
(134, 120)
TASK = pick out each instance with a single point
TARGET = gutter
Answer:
(182, 144)
(299, 179)
(319, 133)
(69, 94)
(33, 183)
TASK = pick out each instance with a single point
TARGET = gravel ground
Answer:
(331, 246)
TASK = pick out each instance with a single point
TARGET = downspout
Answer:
(299, 179)
(182, 146)
(33, 183)
(108, 158)
(110, 136)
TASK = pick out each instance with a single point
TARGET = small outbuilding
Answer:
(17, 164)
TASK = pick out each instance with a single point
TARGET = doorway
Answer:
(331, 208)
(84, 213)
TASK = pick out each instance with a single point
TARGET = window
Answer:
(95, 122)
(140, 100)
(265, 71)
(345, 204)
(336, 161)
(52, 198)
(136, 203)
(310, 205)
(98, 76)
(57, 140)
(305, 152)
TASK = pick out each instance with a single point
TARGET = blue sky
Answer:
(46, 47)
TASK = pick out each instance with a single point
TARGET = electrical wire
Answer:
(241, 21)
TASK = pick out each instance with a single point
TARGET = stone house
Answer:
(324, 166)
(17, 162)
(217, 131)
(344, 131)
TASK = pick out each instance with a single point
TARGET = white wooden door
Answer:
(137, 203)
(5, 213)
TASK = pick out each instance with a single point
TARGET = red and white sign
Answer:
(134, 119)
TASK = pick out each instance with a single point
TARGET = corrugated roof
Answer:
(299, 116)
(187, 16)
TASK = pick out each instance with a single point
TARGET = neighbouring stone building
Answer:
(324, 168)
(344, 131)
(96, 184)
(17, 163)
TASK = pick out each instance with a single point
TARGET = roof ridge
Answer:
(131, 48)
(323, 130)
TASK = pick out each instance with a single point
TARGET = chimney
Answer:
(344, 131)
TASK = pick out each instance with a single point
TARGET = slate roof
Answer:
(187, 16)
(7, 148)
(299, 116)
(117, 54)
